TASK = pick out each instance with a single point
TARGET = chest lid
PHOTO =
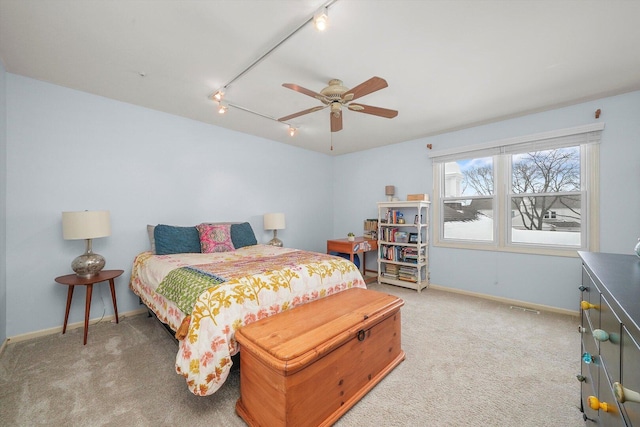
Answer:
(307, 332)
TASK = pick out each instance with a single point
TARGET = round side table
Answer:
(73, 280)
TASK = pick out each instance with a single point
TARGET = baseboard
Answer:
(514, 302)
(70, 326)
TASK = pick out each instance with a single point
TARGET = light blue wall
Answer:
(360, 179)
(69, 150)
(3, 204)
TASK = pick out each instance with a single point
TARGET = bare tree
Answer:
(538, 177)
(480, 179)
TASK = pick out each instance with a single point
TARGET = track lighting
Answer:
(222, 108)
(321, 19)
(292, 131)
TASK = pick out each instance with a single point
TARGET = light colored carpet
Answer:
(470, 362)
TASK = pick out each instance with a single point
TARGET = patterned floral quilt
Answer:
(248, 284)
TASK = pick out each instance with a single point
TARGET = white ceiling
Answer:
(449, 64)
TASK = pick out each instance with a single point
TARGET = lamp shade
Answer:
(85, 225)
(389, 190)
(274, 221)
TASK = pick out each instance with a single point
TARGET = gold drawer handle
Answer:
(595, 404)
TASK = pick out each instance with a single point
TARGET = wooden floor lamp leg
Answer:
(66, 313)
(113, 298)
(87, 309)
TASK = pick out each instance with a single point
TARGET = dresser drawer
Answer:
(590, 372)
(590, 414)
(591, 294)
(589, 348)
(630, 375)
(590, 288)
(609, 339)
(612, 416)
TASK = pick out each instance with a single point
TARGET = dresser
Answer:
(610, 365)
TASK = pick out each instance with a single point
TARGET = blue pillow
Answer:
(242, 235)
(176, 240)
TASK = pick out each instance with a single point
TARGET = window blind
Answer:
(588, 134)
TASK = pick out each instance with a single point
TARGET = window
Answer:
(532, 194)
(468, 202)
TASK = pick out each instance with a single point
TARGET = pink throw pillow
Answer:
(215, 238)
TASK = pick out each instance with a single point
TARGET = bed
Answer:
(206, 297)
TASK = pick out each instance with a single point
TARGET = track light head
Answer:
(321, 19)
(219, 95)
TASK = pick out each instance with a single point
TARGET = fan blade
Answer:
(371, 85)
(336, 122)
(376, 111)
(304, 91)
(301, 113)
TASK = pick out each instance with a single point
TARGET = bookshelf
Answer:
(403, 244)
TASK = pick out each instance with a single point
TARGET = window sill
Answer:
(572, 253)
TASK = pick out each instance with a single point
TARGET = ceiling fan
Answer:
(335, 96)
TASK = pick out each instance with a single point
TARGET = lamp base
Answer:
(275, 242)
(88, 265)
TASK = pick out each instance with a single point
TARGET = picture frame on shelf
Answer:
(413, 237)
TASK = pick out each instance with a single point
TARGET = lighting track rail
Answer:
(277, 45)
(224, 87)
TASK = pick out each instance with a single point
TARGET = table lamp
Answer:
(275, 222)
(86, 225)
(390, 191)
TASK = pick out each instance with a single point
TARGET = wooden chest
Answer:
(309, 365)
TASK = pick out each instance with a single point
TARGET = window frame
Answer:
(587, 137)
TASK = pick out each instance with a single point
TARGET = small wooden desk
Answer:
(73, 280)
(356, 246)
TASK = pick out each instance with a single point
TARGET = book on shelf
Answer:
(413, 255)
(370, 224)
(389, 234)
(402, 254)
(390, 271)
(409, 274)
(392, 216)
(371, 229)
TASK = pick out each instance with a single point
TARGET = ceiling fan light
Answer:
(321, 19)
